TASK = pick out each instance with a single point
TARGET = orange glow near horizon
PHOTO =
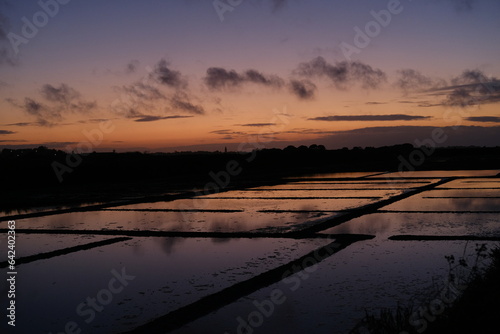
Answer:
(220, 83)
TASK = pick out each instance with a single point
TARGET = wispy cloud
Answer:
(392, 117)
(62, 94)
(149, 95)
(163, 74)
(343, 74)
(218, 78)
(37, 123)
(375, 103)
(57, 101)
(180, 101)
(468, 77)
(303, 89)
(150, 99)
(20, 124)
(471, 87)
(228, 132)
(13, 141)
(278, 4)
(427, 104)
(94, 120)
(45, 116)
(410, 80)
(140, 92)
(255, 76)
(66, 98)
(6, 132)
(132, 66)
(463, 5)
(129, 68)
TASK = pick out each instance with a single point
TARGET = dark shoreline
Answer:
(29, 178)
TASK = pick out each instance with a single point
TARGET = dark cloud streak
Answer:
(486, 119)
(392, 117)
(257, 124)
(153, 118)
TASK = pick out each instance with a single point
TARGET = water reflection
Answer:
(173, 272)
(386, 224)
(389, 184)
(255, 204)
(460, 193)
(169, 273)
(472, 183)
(31, 244)
(419, 203)
(173, 221)
(272, 193)
(168, 245)
(368, 275)
(443, 173)
(336, 175)
(26, 210)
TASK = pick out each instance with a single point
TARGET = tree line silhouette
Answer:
(29, 173)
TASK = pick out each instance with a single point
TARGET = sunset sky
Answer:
(204, 75)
